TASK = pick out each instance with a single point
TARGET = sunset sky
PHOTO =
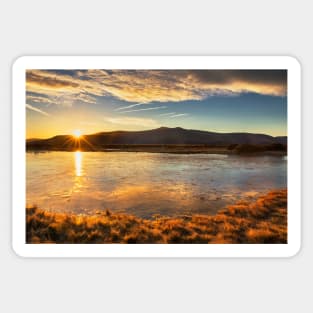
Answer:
(62, 101)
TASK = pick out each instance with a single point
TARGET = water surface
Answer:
(146, 184)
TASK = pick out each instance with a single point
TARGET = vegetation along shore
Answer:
(262, 221)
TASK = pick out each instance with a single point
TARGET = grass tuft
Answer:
(263, 221)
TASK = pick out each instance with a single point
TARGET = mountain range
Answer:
(159, 136)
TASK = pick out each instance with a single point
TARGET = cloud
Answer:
(38, 98)
(51, 81)
(61, 89)
(30, 107)
(130, 106)
(179, 115)
(134, 121)
(145, 86)
(145, 109)
(166, 114)
(173, 114)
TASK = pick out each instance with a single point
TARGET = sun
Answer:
(77, 133)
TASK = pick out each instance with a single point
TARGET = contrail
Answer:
(30, 107)
(130, 106)
(178, 115)
(147, 109)
(165, 114)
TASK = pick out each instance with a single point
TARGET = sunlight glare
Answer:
(78, 163)
(77, 133)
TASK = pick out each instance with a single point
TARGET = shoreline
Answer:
(261, 221)
(171, 150)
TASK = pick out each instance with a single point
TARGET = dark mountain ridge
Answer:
(159, 136)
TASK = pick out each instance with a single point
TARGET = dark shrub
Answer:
(247, 148)
(232, 146)
(276, 147)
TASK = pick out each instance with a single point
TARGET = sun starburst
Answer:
(77, 133)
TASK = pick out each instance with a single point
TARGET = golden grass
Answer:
(263, 221)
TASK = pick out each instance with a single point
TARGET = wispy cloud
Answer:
(130, 106)
(30, 107)
(37, 98)
(173, 114)
(145, 86)
(61, 89)
(132, 121)
(166, 114)
(146, 109)
(179, 115)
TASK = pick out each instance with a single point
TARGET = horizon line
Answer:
(120, 130)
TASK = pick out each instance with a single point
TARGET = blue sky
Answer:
(61, 101)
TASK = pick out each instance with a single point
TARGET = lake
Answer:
(145, 184)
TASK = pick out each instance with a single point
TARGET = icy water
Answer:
(145, 184)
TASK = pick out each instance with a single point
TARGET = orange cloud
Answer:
(144, 86)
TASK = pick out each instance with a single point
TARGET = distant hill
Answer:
(159, 136)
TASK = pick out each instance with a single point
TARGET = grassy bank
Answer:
(263, 221)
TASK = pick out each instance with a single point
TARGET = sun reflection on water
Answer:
(147, 184)
(78, 163)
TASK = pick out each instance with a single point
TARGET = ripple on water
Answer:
(145, 184)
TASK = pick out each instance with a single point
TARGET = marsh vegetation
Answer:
(261, 221)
